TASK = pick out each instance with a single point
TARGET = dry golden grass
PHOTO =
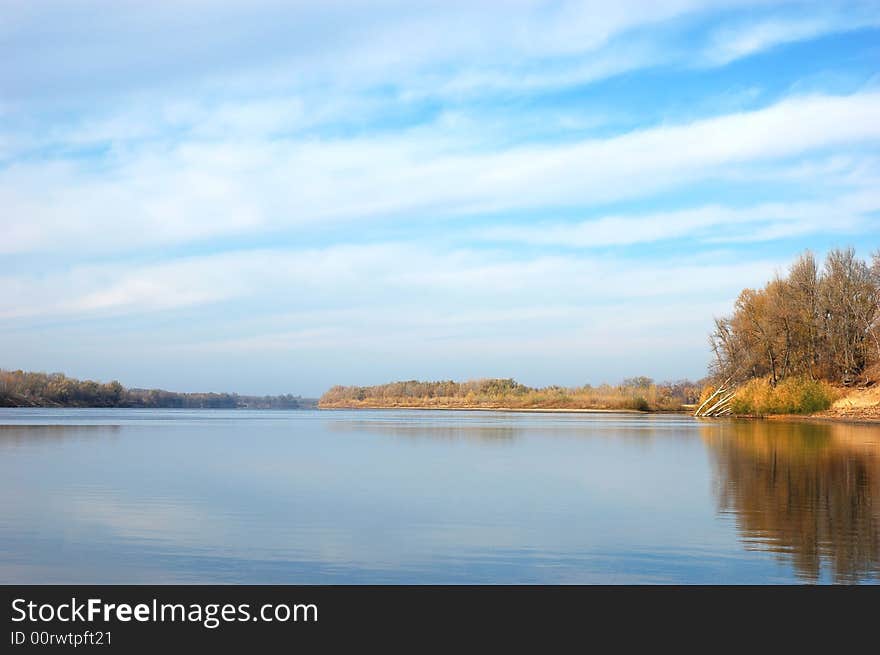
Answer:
(859, 399)
(642, 395)
(796, 395)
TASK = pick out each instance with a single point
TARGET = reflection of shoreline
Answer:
(809, 492)
(14, 435)
(632, 430)
(489, 434)
(466, 408)
(842, 419)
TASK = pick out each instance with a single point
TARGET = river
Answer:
(384, 496)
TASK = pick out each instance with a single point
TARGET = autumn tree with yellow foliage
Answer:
(811, 329)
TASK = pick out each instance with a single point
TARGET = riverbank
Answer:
(870, 416)
(823, 417)
(505, 394)
(853, 405)
(37, 389)
(464, 408)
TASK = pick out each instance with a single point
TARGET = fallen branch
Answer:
(719, 390)
(720, 401)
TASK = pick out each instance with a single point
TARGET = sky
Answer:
(275, 197)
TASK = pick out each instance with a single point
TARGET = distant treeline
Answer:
(28, 389)
(635, 393)
(820, 324)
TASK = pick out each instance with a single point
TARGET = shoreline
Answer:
(829, 416)
(824, 418)
(554, 410)
(869, 419)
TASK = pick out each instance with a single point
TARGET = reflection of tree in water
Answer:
(810, 492)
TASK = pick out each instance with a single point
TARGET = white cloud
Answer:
(281, 43)
(392, 275)
(747, 38)
(709, 223)
(309, 319)
(197, 189)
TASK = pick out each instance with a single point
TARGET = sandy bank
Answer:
(857, 404)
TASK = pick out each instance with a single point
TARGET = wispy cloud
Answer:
(746, 38)
(193, 189)
(277, 44)
(354, 276)
(709, 223)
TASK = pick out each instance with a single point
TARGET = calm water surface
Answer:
(148, 496)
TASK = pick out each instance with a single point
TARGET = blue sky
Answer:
(273, 197)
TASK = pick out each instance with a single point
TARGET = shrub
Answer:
(794, 395)
(638, 402)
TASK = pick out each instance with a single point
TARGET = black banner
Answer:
(154, 618)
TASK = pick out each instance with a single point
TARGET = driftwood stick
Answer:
(721, 389)
(719, 405)
(709, 399)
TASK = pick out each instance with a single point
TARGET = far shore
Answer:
(553, 410)
(824, 417)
